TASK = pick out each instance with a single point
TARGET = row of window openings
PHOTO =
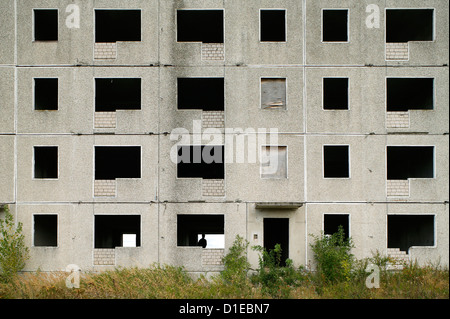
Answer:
(207, 26)
(111, 94)
(110, 231)
(207, 162)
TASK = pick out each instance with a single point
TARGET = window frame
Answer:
(321, 26)
(285, 25)
(349, 163)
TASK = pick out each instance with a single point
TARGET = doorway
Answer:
(276, 231)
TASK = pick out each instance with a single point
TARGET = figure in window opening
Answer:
(202, 242)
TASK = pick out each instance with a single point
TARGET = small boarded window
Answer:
(274, 162)
(273, 93)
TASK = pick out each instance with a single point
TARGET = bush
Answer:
(276, 280)
(235, 262)
(13, 252)
(334, 260)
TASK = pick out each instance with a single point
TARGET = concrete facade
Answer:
(242, 197)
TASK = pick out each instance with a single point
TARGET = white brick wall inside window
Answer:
(397, 119)
(397, 51)
(105, 50)
(398, 187)
(104, 257)
(104, 188)
(213, 51)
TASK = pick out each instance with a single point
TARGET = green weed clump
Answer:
(13, 252)
(272, 279)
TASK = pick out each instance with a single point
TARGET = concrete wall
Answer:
(303, 127)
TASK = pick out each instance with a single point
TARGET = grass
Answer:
(168, 282)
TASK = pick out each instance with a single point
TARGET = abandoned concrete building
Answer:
(106, 105)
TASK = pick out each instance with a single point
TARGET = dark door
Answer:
(276, 231)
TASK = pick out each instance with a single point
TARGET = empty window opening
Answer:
(405, 231)
(117, 25)
(405, 94)
(335, 93)
(117, 231)
(113, 94)
(336, 161)
(273, 93)
(45, 25)
(201, 161)
(113, 162)
(274, 162)
(201, 93)
(45, 94)
(45, 230)
(332, 222)
(191, 228)
(335, 25)
(405, 162)
(45, 162)
(200, 26)
(273, 25)
(403, 25)
(276, 231)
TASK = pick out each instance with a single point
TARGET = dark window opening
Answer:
(112, 230)
(45, 25)
(113, 94)
(336, 161)
(200, 26)
(332, 222)
(335, 93)
(403, 25)
(45, 230)
(117, 25)
(273, 25)
(113, 162)
(191, 227)
(405, 162)
(45, 162)
(405, 94)
(276, 231)
(201, 93)
(273, 93)
(46, 94)
(201, 161)
(405, 231)
(335, 25)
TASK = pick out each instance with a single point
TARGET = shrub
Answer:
(334, 260)
(276, 280)
(13, 252)
(235, 262)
